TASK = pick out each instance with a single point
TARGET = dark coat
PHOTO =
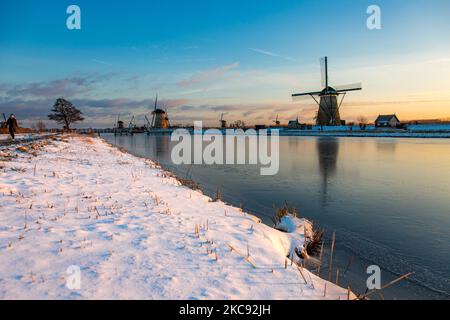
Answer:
(12, 123)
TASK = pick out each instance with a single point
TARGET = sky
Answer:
(241, 58)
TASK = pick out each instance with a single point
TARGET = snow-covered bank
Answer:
(5, 139)
(412, 131)
(134, 231)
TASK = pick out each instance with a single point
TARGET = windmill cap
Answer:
(158, 111)
(328, 90)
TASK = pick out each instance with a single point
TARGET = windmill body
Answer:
(328, 98)
(160, 120)
(223, 123)
(277, 122)
(328, 113)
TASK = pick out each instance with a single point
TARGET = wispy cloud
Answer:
(94, 109)
(102, 62)
(59, 87)
(209, 75)
(193, 47)
(66, 87)
(272, 54)
(439, 60)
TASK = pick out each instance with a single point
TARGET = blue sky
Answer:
(243, 58)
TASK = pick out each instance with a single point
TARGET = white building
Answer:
(390, 121)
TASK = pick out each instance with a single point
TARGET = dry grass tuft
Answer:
(314, 242)
(217, 196)
(86, 140)
(284, 211)
(189, 183)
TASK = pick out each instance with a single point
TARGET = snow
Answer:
(287, 224)
(444, 127)
(134, 231)
(413, 131)
(385, 133)
(4, 137)
(23, 136)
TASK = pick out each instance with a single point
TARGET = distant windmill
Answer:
(159, 117)
(277, 122)
(223, 123)
(119, 123)
(131, 126)
(328, 114)
(119, 126)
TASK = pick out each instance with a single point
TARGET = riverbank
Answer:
(412, 131)
(362, 188)
(366, 134)
(5, 139)
(314, 133)
(134, 231)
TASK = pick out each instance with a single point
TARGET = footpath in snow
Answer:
(134, 231)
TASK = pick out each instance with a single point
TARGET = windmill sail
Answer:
(149, 125)
(156, 101)
(324, 71)
(152, 123)
(298, 96)
(328, 113)
(349, 87)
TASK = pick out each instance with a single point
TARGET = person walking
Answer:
(11, 123)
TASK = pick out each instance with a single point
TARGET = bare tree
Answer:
(65, 113)
(362, 120)
(238, 124)
(40, 126)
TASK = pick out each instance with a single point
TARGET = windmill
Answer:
(223, 123)
(159, 117)
(329, 104)
(118, 127)
(276, 121)
(131, 126)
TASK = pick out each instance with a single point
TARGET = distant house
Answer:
(294, 124)
(390, 121)
(425, 121)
